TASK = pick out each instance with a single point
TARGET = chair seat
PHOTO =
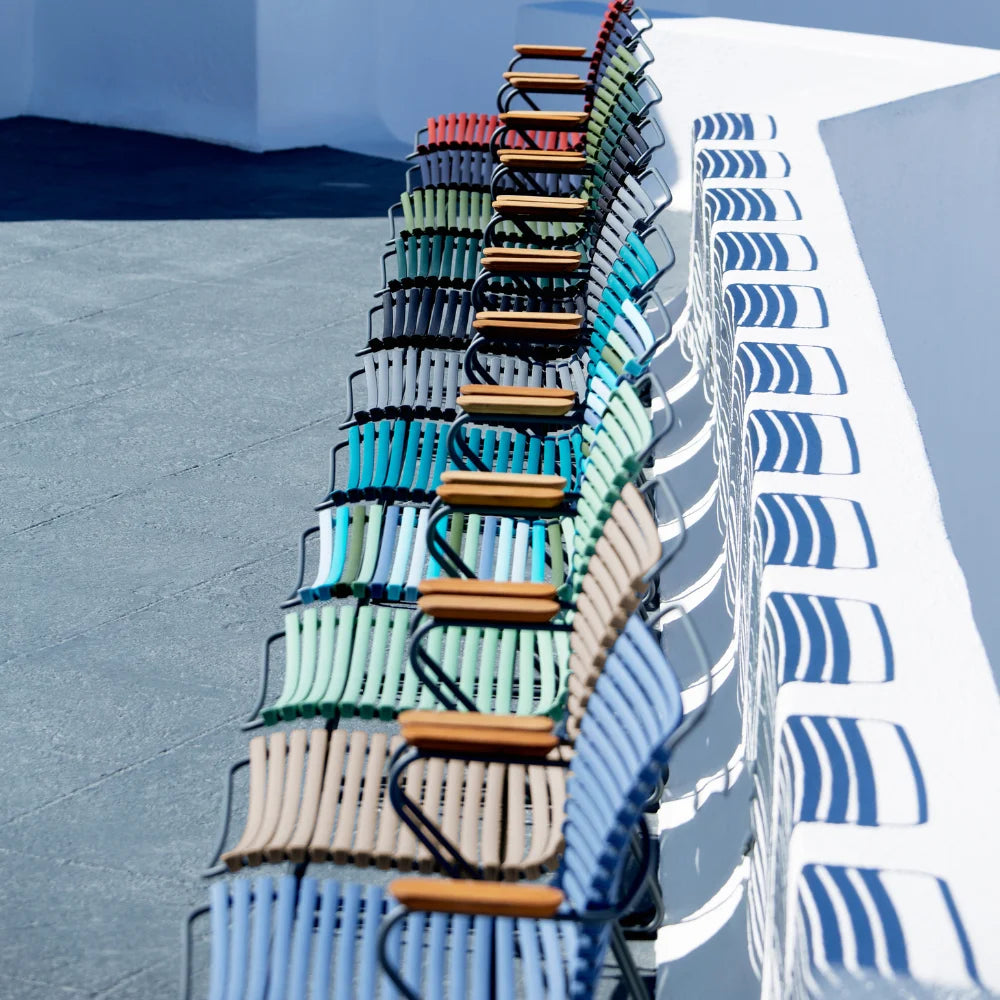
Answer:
(380, 550)
(320, 938)
(396, 459)
(353, 661)
(323, 797)
(415, 383)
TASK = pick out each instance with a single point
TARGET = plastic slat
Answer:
(350, 919)
(239, 946)
(340, 658)
(395, 660)
(263, 892)
(298, 975)
(375, 515)
(326, 928)
(219, 910)
(352, 663)
(379, 576)
(281, 940)
(308, 705)
(376, 662)
(404, 548)
(307, 661)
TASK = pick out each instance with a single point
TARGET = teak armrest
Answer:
(550, 51)
(544, 160)
(506, 153)
(500, 391)
(488, 609)
(546, 83)
(486, 588)
(462, 477)
(476, 897)
(487, 495)
(532, 253)
(514, 260)
(547, 121)
(514, 405)
(476, 720)
(513, 74)
(469, 740)
(531, 207)
(496, 317)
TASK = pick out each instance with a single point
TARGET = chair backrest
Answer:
(616, 433)
(609, 593)
(620, 754)
(613, 32)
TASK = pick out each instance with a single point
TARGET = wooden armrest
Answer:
(535, 391)
(541, 155)
(488, 496)
(475, 897)
(476, 720)
(551, 51)
(547, 121)
(514, 406)
(489, 588)
(531, 253)
(489, 610)
(469, 740)
(515, 260)
(494, 317)
(461, 477)
(547, 83)
(544, 160)
(527, 206)
(513, 74)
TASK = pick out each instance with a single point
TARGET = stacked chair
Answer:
(485, 585)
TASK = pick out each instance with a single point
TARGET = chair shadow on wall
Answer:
(857, 924)
(59, 170)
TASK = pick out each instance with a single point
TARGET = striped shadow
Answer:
(820, 532)
(860, 923)
(807, 443)
(764, 252)
(743, 204)
(735, 125)
(802, 369)
(826, 640)
(777, 306)
(859, 771)
(741, 163)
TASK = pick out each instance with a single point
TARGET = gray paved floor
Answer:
(175, 323)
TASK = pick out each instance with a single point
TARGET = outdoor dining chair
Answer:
(333, 801)
(470, 937)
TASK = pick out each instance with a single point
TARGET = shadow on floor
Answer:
(60, 170)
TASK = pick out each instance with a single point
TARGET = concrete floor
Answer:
(176, 321)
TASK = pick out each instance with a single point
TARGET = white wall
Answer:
(15, 55)
(366, 76)
(962, 22)
(185, 67)
(928, 241)
(262, 74)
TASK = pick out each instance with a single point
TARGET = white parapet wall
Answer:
(870, 717)
(260, 75)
